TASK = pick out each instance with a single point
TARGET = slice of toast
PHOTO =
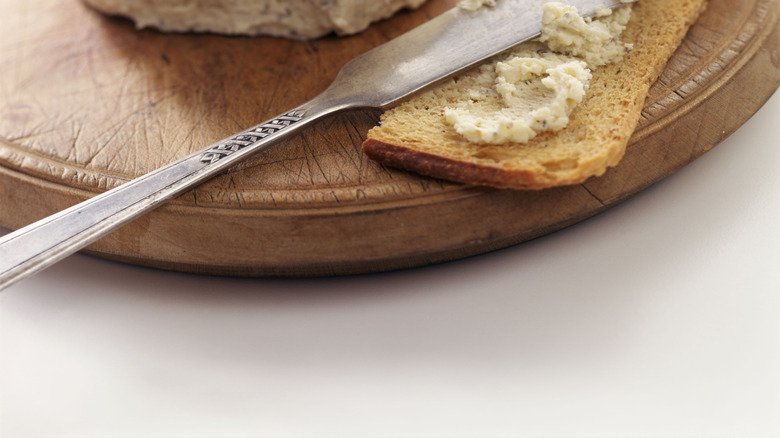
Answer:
(415, 135)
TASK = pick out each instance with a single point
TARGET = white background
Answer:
(660, 317)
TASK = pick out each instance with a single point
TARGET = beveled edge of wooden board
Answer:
(388, 226)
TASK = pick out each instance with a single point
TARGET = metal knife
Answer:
(447, 44)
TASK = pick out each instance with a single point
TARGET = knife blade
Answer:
(448, 44)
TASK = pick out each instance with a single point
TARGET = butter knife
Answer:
(445, 45)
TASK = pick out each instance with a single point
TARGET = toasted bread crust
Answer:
(445, 168)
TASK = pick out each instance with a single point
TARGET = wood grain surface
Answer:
(88, 102)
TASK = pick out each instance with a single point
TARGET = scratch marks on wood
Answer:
(312, 158)
(593, 195)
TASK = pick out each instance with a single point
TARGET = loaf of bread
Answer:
(297, 19)
(417, 136)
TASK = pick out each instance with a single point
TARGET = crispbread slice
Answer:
(416, 137)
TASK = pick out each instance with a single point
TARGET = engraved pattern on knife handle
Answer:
(243, 139)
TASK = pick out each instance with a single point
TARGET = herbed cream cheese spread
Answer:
(539, 84)
(296, 19)
(473, 5)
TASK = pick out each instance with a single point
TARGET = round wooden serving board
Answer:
(88, 102)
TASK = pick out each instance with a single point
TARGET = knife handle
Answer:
(43, 243)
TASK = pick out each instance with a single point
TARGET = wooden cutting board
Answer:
(87, 103)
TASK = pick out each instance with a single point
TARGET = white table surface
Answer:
(659, 317)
